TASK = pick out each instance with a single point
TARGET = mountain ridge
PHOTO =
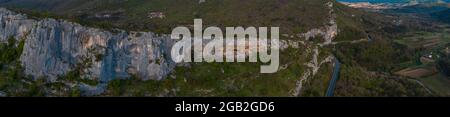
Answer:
(313, 33)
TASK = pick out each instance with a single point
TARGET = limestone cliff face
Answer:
(56, 47)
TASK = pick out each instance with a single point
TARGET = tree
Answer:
(443, 64)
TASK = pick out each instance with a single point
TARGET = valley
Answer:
(426, 47)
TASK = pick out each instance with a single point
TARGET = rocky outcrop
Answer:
(327, 32)
(2, 94)
(56, 47)
(313, 66)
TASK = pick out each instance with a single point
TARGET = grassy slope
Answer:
(438, 83)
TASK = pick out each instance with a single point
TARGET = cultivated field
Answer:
(425, 39)
(416, 73)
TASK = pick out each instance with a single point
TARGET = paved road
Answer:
(334, 78)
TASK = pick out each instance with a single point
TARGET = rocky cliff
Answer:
(54, 48)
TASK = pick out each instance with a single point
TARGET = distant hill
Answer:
(48, 4)
(434, 12)
(443, 16)
(420, 9)
(298, 15)
(396, 1)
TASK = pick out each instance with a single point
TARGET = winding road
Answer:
(334, 78)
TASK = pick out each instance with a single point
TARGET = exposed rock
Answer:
(328, 32)
(56, 47)
(2, 94)
(284, 44)
(313, 67)
(88, 90)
